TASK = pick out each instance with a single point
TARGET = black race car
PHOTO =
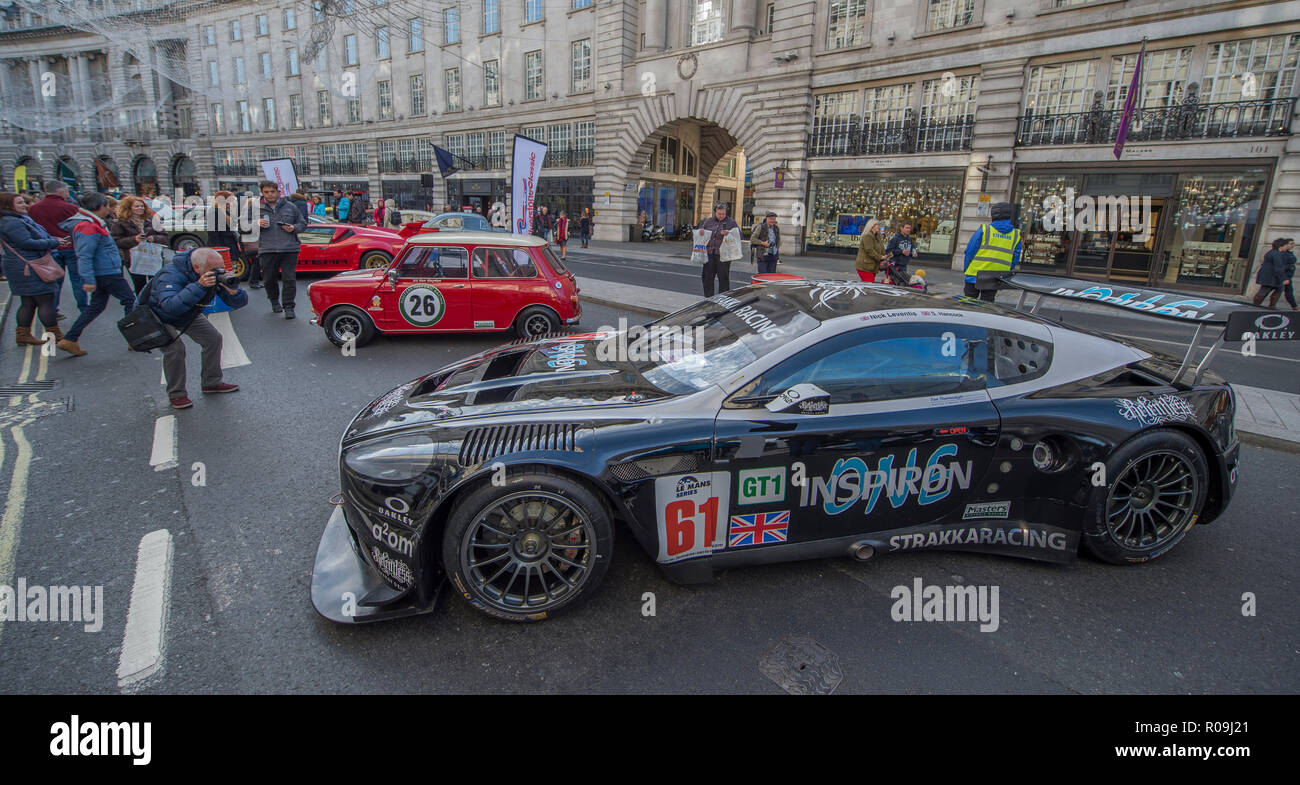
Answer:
(794, 420)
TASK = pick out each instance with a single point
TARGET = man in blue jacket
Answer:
(99, 265)
(995, 246)
(178, 295)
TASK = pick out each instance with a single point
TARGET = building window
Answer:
(214, 73)
(292, 56)
(415, 35)
(417, 95)
(382, 50)
(947, 113)
(578, 5)
(323, 113)
(847, 25)
(833, 113)
(1251, 70)
(706, 21)
(491, 17)
(452, 82)
(266, 64)
(491, 83)
(496, 149)
(559, 138)
(385, 100)
(218, 120)
(262, 27)
(474, 147)
(840, 206)
(581, 66)
(209, 35)
(350, 49)
(241, 109)
(946, 14)
(295, 111)
(268, 114)
(290, 19)
(1164, 75)
(236, 33)
(451, 26)
(532, 11)
(354, 110)
(533, 87)
(1064, 87)
(317, 12)
(769, 19)
(239, 70)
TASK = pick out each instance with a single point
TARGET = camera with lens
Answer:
(224, 278)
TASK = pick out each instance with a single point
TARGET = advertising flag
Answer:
(525, 168)
(280, 171)
(1130, 103)
(445, 163)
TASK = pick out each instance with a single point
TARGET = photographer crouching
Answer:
(177, 295)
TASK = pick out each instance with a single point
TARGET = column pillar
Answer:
(743, 13)
(655, 28)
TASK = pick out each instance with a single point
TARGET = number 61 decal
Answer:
(692, 513)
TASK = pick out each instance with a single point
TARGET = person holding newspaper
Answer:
(133, 227)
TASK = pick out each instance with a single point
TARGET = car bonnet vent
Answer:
(483, 444)
(630, 471)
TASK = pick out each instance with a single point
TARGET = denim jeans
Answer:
(67, 259)
(106, 286)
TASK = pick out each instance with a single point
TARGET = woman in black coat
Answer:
(1273, 274)
(25, 240)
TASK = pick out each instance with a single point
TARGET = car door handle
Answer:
(458, 286)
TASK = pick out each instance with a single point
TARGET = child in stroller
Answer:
(895, 273)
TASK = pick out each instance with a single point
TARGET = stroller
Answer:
(892, 272)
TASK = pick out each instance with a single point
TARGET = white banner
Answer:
(525, 168)
(280, 171)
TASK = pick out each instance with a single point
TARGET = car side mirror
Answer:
(392, 277)
(803, 398)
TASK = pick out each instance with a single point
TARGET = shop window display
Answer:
(1042, 250)
(842, 206)
(1215, 228)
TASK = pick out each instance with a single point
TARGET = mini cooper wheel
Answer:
(530, 549)
(344, 322)
(536, 321)
(1157, 484)
(374, 260)
(185, 242)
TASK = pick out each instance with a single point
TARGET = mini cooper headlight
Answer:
(393, 460)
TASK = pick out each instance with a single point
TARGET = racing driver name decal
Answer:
(851, 481)
(1153, 411)
(1016, 536)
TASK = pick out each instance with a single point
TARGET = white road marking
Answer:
(12, 521)
(232, 350)
(144, 640)
(163, 455)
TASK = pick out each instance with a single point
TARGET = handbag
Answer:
(142, 328)
(46, 268)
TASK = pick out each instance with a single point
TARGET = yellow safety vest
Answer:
(996, 252)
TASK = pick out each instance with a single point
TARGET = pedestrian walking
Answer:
(585, 223)
(720, 224)
(223, 232)
(539, 222)
(97, 260)
(994, 246)
(768, 240)
(178, 295)
(342, 206)
(871, 250)
(278, 245)
(25, 242)
(356, 209)
(52, 210)
(562, 233)
(132, 225)
(1273, 276)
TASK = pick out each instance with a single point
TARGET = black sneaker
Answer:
(275, 308)
(288, 313)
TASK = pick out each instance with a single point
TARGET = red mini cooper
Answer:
(451, 282)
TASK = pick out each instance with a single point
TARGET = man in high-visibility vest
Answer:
(996, 246)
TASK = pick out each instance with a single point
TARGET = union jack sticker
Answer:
(760, 528)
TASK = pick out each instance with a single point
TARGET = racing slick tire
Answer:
(1156, 486)
(535, 321)
(347, 319)
(529, 549)
(374, 260)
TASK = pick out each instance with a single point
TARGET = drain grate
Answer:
(801, 666)
(28, 387)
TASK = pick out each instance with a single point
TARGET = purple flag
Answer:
(1130, 103)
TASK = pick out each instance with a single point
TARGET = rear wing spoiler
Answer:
(1239, 321)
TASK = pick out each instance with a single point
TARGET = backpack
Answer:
(395, 217)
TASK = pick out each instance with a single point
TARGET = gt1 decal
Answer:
(760, 528)
(1153, 411)
(421, 305)
(851, 481)
(565, 356)
(690, 509)
(987, 510)
(1046, 537)
(759, 486)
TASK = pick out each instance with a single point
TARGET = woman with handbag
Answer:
(30, 271)
(134, 225)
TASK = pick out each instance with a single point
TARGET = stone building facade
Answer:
(919, 110)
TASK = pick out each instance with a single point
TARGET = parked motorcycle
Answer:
(650, 233)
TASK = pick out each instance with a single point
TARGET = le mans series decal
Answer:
(421, 305)
(852, 481)
(692, 513)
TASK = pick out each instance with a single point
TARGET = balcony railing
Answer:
(248, 169)
(1188, 120)
(890, 137)
(397, 163)
(343, 167)
(569, 156)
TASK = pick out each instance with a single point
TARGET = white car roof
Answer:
(476, 238)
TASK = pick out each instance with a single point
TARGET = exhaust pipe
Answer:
(862, 551)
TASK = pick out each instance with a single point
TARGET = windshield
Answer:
(714, 339)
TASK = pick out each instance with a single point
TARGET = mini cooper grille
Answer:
(651, 467)
(483, 444)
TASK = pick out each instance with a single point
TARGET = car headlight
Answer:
(397, 459)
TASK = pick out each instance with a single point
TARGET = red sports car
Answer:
(336, 247)
(451, 282)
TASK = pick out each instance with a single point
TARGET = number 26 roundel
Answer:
(692, 514)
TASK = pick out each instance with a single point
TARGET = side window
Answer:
(887, 362)
(316, 236)
(443, 262)
(503, 263)
(1016, 358)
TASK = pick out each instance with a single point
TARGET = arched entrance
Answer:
(687, 166)
(27, 176)
(185, 176)
(66, 170)
(107, 179)
(145, 174)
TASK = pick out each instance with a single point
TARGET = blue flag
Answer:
(445, 163)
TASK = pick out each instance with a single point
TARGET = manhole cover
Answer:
(801, 666)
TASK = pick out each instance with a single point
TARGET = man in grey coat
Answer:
(277, 247)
